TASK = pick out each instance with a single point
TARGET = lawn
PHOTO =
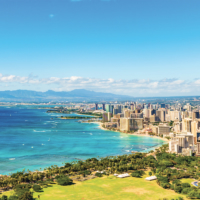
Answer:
(188, 180)
(109, 188)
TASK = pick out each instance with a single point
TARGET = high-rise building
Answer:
(154, 106)
(162, 105)
(189, 107)
(129, 124)
(160, 115)
(182, 143)
(152, 118)
(136, 115)
(132, 106)
(163, 129)
(127, 113)
(195, 125)
(175, 115)
(186, 124)
(96, 106)
(103, 106)
(177, 127)
(115, 111)
(153, 112)
(195, 115)
(119, 107)
(147, 113)
(109, 108)
(105, 117)
(109, 116)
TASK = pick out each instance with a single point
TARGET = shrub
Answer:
(186, 190)
(86, 172)
(4, 197)
(26, 196)
(191, 194)
(162, 179)
(198, 195)
(166, 163)
(20, 192)
(178, 189)
(165, 185)
(185, 185)
(150, 173)
(99, 174)
(13, 198)
(64, 180)
(37, 188)
(177, 182)
(138, 173)
(172, 187)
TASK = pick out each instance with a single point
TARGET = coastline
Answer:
(47, 132)
(144, 135)
(88, 115)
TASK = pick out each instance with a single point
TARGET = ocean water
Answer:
(30, 139)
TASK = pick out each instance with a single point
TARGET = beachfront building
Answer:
(182, 143)
(130, 124)
(111, 125)
(106, 117)
(163, 130)
(155, 129)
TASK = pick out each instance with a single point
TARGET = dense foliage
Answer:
(169, 169)
(63, 180)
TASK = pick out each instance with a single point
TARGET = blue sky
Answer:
(136, 47)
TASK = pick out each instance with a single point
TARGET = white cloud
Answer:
(134, 87)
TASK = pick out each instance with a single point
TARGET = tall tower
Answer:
(103, 106)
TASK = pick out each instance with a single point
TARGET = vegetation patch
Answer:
(173, 172)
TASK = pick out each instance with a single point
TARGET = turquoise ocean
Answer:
(32, 139)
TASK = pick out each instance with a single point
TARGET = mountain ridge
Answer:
(82, 94)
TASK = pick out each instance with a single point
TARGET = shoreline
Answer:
(144, 135)
(99, 125)
(102, 128)
(88, 115)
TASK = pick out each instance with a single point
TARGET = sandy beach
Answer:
(136, 134)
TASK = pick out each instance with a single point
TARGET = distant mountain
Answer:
(74, 95)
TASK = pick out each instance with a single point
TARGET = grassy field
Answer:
(110, 188)
(187, 180)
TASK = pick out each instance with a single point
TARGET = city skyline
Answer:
(128, 47)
